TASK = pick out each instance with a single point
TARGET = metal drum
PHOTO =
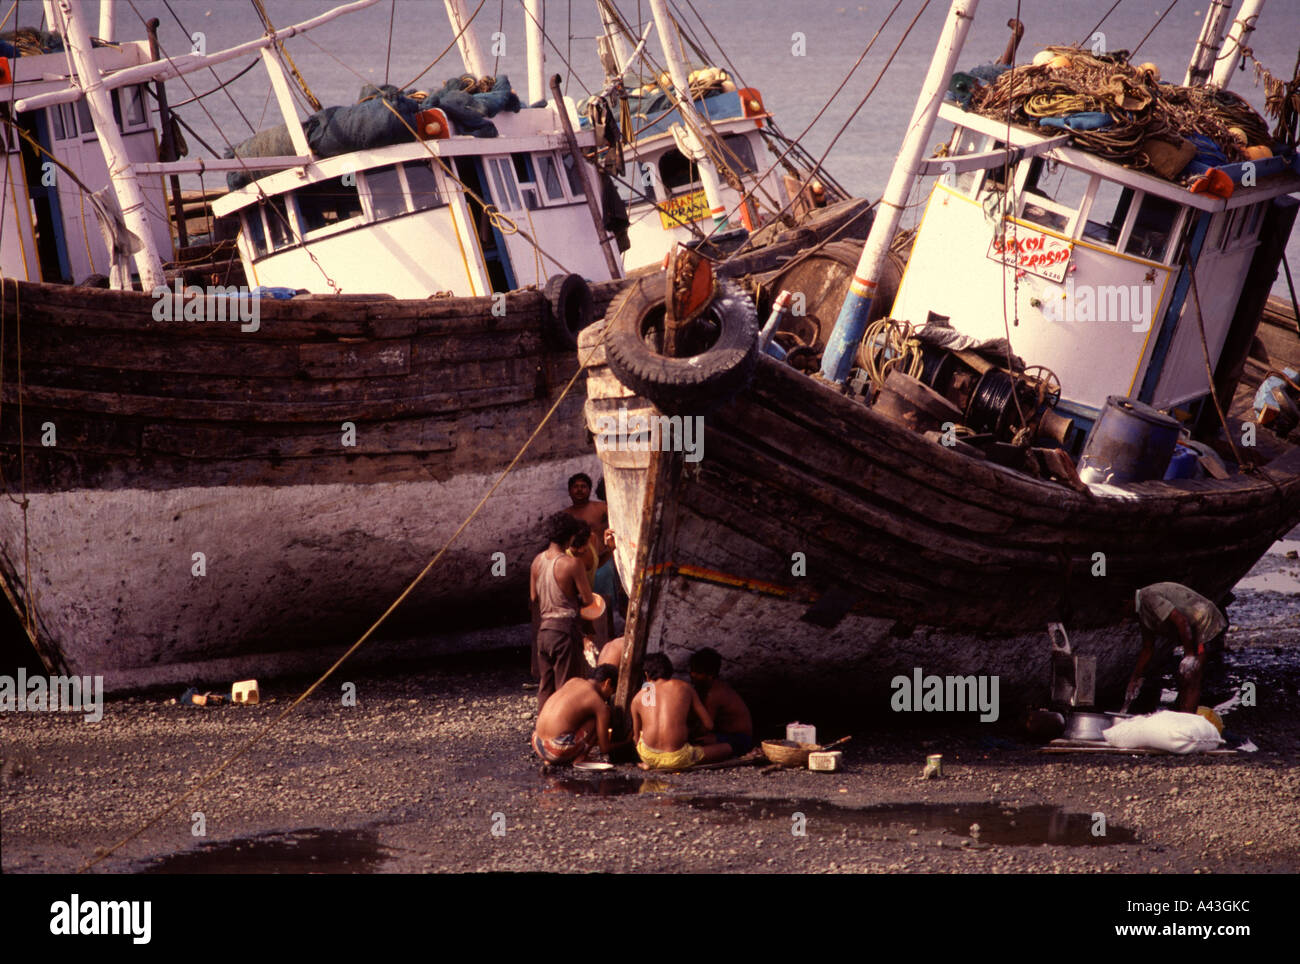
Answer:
(1130, 442)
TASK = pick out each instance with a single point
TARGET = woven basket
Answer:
(787, 753)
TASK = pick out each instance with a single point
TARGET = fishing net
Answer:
(1141, 109)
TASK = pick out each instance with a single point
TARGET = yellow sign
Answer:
(683, 210)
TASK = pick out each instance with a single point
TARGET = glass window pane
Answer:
(1152, 228)
(423, 184)
(738, 151)
(68, 114)
(575, 177)
(133, 98)
(675, 171)
(253, 230)
(277, 223)
(550, 178)
(83, 116)
(1110, 207)
(327, 204)
(55, 115)
(386, 197)
(507, 196)
(523, 168)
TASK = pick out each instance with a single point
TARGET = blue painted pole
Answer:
(842, 344)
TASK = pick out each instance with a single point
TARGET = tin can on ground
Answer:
(825, 761)
(933, 766)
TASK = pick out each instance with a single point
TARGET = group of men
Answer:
(675, 724)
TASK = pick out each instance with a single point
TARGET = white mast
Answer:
(614, 34)
(1207, 45)
(534, 30)
(108, 20)
(852, 321)
(691, 139)
(129, 196)
(1241, 30)
(466, 39)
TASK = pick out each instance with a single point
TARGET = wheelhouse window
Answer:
(327, 204)
(422, 184)
(1053, 194)
(676, 172)
(278, 229)
(253, 230)
(1153, 228)
(1109, 210)
(387, 199)
(525, 174)
(503, 183)
(575, 177)
(963, 142)
(128, 107)
(739, 153)
(549, 176)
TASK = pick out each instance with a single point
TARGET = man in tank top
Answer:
(559, 587)
(1186, 619)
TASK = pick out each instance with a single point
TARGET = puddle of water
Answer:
(296, 852)
(998, 825)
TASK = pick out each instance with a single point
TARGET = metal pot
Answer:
(1087, 726)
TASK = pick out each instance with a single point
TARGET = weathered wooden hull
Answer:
(316, 463)
(821, 547)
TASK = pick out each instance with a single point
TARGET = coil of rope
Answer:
(889, 345)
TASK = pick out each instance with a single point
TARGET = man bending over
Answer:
(576, 717)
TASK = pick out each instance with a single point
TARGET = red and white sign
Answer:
(1032, 251)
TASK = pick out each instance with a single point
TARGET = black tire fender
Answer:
(690, 385)
(571, 309)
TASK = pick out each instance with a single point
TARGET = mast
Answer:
(108, 20)
(1241, 30)
(677, 73)
(852, 320)
(129, 196)
(614, 36)
(534, 28)
(466, 39)
(1207, 45)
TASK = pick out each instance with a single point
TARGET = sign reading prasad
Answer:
(1032, 251)
(683, 210)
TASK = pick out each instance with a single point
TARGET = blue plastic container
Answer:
(1183, 465)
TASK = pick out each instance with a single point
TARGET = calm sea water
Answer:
(795, 53)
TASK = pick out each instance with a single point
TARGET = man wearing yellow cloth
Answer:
(661, 717)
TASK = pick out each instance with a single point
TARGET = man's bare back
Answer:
(575, 704)
(729, 712)
(611, 653)
(661, 713)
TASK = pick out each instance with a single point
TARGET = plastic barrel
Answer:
(1129, 442)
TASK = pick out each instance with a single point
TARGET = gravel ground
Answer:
(433, 759)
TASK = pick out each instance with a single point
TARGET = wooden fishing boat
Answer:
(826, 548)
(201, 492)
